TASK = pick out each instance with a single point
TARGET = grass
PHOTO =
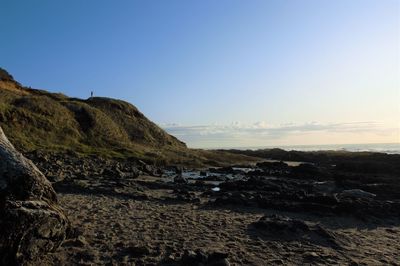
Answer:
(40, 120)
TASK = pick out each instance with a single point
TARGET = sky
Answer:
(226, 73)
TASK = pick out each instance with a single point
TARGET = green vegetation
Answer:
(40, 120)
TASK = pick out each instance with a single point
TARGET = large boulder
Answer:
(31, 221)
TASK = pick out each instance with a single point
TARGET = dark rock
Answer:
(185, 195)
(31, 222)
(305, 169)
(80, 241)
(200, 258)
(253, 183)
(276, 227)
(355, 194)
(371, 166)
(215, 178)
(175, 168)
(311, 256)
(115, 172)
(271, 168)
(321, 198)
(138, 251)
(150, 169)
(215, 256)
(277, 224)
(258, 172)
(200, 183)
(273, 165)
(179, 179)
(224, 170)
(303, 196)
(234, 198)
(109, 173)
(191, 257)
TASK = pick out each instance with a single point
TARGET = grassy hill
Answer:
(37, 119)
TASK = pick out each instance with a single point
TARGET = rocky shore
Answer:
(94, 182)
(272, 213)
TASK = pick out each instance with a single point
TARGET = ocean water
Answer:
(391, 148)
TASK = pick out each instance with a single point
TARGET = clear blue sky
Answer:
(221, 73)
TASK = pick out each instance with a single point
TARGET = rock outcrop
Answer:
(31, 221)
(276, 227)
(296, 195)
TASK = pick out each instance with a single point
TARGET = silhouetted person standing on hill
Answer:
(91, 94)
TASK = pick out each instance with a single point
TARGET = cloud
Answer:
(236, 133)
(263, 128)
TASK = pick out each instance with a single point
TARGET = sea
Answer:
(390, 148)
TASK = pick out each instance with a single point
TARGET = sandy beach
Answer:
(152, 227)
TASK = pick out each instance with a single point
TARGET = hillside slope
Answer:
(40, 120)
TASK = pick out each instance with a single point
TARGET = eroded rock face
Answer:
(31, 222)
